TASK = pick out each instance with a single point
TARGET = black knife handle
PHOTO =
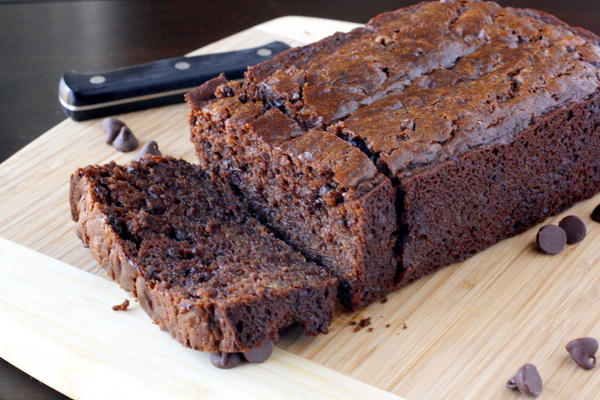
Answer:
(94, 95)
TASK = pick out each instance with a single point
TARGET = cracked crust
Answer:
(416, 91)
(425, 84)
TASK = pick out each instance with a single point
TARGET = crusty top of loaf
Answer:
(439, 78)
(500, 70)
(424, 84)
(325, 152)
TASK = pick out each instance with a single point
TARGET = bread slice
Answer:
(319, 193)
(201, 267)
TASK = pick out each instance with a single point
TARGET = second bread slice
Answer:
(200, 265)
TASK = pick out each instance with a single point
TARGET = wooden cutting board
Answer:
(461, 333)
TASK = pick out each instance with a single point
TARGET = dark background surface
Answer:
(40, 40)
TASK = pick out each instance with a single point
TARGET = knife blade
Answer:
(93, 95)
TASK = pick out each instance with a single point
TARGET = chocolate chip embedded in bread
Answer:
(574, 228)
(150, 148)
(125, 140)
(551, 239)
(260, 354)
(112, 127)
(596, 213)
(527, 380)
(583, 351)
(225, 360)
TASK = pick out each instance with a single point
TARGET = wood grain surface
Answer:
(58, 325)
(460, 333)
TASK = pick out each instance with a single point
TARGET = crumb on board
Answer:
(361, 324)
(121, 307)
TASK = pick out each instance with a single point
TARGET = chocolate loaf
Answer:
(411, 143)
(199, 264)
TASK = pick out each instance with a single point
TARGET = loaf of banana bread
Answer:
(199, 264)
(411, 143)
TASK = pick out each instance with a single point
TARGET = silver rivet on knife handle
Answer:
(264, 52)
(97, 79)
(182, 65)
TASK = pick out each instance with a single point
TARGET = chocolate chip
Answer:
(527, 380)
(150, 148)
(551, 239)
(574, 228)
(596, 214)
(583, 351)
(112, 127)
(224, 360)
(125, 140)
(260, 354)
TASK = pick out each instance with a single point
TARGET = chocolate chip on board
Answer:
(125, 140)
(112, 127)
(224, 360)
(260, 354)
(574, 228)
(551, 239)
(150, 148)
(527, 380)
(583, 351)
(596, 213)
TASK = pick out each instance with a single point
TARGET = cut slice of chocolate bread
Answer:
(460, 123)
(318, 192)
(199, 264)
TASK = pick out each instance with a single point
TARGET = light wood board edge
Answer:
(293, 30)
(58, 324)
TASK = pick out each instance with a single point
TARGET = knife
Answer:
(93, 95)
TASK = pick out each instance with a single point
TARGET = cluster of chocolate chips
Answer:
(528, 380)
(122, 138)
(551, 239)
(119, 135)
(225, 360)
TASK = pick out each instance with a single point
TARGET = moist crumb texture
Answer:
(203, 268)
(411, 143)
